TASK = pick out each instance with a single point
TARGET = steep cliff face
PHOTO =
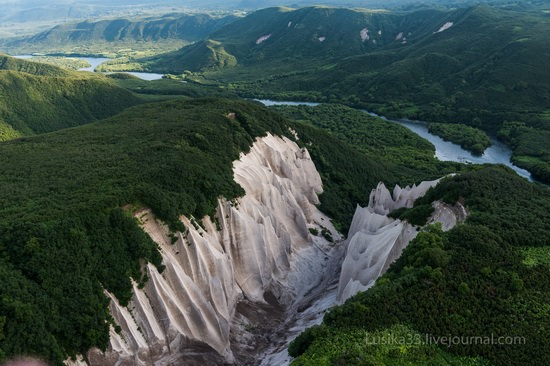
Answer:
(226, 278)
(238, 287)
(375, 241)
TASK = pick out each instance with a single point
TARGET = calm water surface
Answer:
(498, 153)
(96, 61)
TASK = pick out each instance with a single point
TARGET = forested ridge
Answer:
(39, 98)
(189, 27)
(479, 66)
(65, 234)
(470, 281)
(34, 68)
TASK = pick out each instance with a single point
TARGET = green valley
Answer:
(477, 66)
(182, 221)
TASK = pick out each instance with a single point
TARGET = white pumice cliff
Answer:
(375, 241)
(226, 285)
(237, 288)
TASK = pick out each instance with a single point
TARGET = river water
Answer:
(96, 61)
(498, 153)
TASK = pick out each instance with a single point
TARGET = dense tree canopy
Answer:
(471, 281)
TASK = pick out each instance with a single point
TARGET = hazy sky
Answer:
(110, 2)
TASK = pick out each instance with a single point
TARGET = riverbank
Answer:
(498, 153)
(93, 64)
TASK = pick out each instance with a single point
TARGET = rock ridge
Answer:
(257, 251)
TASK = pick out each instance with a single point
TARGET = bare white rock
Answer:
(375, 240)
(444, 27)
(260, 254)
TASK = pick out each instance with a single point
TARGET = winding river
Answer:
(498, 153)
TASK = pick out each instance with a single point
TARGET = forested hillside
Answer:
(479, 66)
(314, 34)
(477, 280)
(65, 196)
(8, 63)
(406, 157)
(181, 27)
(38, 98)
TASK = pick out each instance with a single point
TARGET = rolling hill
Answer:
(312, 34)
(182, 27)
(8, 63)
(479, 66)
(38, 98)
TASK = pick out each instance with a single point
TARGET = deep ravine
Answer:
(239, 287)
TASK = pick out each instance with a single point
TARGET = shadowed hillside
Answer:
(38, 98)
(172, 26)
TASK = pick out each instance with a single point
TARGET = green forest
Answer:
(469, 138)
(80, 152)
(39, 98)
(470, 281)
(64, 197)
(69, 63)
(396, 155)
(483, 71)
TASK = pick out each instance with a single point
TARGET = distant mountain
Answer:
(173, 26)
(376, 55)
(40, 12)
(308, 36)
(387, 4)
(22, 11)
(479, 66)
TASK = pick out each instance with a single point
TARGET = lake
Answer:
(96, 61)
(498, 153)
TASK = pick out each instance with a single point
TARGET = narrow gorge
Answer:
(238, 287)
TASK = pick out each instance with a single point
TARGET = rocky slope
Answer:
(229, 279)
(245, 282)
(375, 241)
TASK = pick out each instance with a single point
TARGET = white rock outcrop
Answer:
(259, 252)
(263, 38)
(375, 241)
(444, 27)
(448, 215)
(364, 34)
